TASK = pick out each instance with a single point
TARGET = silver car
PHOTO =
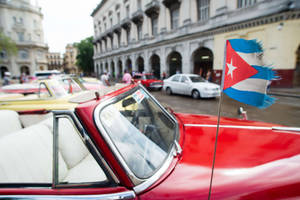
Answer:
(191, 84)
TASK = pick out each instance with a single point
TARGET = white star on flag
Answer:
(231, 68)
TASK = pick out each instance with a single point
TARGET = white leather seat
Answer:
(70, 144)
(9, 122)
(26, 156)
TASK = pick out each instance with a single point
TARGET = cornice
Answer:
(280, 17)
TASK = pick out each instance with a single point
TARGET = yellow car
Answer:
(51, 94)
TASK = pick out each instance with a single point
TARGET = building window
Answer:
(174, 17)
(23, 54)
(140, 31)
(203, 9)
(112, 42)
(139, 4)
(105, 27)
(20, 36)
(119, 39)
(246, 3)
(2, 54)
(154, 24)
(111, 21)
(15, 20)
(127, 11)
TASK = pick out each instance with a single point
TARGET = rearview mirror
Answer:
(128, 102)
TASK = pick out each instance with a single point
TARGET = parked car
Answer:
(148, 80)
(124, 145)
(191, 84)
(43, 95)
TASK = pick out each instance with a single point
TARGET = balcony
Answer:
(152, 8)
(137, 17)
(126, 23)
(170, 3)
(117, 28)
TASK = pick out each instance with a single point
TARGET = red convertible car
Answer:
(148, 80)
(122, 144)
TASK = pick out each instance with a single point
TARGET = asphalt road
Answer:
(286, 110)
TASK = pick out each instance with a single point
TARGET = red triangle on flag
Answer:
(236, 69)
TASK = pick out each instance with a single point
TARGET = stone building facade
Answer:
(188, 36)
(55, 61)
(22, 22)
(69, 62)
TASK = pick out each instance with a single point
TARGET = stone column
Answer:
(185, 12)
(193, 11)
(133, 62)
(185, 53)
(162, 27)
(146, 29)
(163, 61)
(123, 37)
(147, 66)
(133, 32)
(115, 41)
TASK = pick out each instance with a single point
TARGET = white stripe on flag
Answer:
(252, 85)
(251, 58)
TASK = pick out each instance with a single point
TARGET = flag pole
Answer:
(218, 124)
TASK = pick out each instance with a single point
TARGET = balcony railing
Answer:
(126, 23)
(152, 8)
(137, 17)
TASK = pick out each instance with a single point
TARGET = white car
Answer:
(191, 84)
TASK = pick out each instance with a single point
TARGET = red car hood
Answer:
(252, 162)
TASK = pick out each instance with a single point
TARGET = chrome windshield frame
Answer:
(140, 184)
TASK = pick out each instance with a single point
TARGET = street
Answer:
(286, 110)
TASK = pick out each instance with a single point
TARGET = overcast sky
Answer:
(66, 21)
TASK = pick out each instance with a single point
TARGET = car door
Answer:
(175, 84)
(52, 161)
(184, 85)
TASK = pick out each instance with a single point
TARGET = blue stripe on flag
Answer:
(266, 73)
(246, 46)
(259, 100)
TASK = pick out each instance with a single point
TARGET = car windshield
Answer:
(196, 79)
(57, 88)
(141, 130)
(150, 76)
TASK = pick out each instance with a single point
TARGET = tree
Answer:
(7, 45)
(85, 55)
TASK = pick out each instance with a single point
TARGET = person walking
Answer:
(6, 78)
(126, 77)
(105, 79)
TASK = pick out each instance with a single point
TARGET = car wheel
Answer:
(169, 91)
(195, 94)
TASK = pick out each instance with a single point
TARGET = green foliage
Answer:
(7, 45)
(85, 55)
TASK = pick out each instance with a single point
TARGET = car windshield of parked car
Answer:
(142, 132)
(150, 76)
(196, 79)
(57, 88)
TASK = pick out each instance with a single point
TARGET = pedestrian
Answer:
(126, 77)
(105, 79)
(6, 78)
(209, 76)
(164, 75)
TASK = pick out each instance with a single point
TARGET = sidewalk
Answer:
(287, 92)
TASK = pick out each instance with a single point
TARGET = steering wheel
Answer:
(135, 118)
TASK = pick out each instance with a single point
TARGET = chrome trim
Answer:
(150, 181)
(229, 126)
(86, 140)
(297, 129)
(120, 195)
(142, 184)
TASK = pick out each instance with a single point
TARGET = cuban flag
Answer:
(245, 77)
